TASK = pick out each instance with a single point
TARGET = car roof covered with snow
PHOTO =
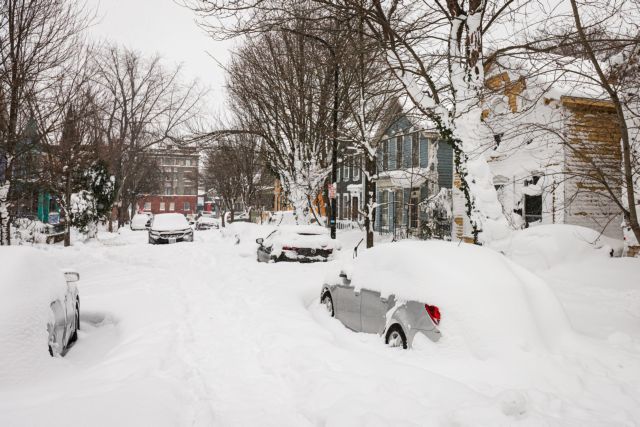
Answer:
(169, 222)
(31, 281)
(301, 236)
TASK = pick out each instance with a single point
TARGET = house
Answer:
(555, 151)
(414, 168)
(349, 184)
(179, 170)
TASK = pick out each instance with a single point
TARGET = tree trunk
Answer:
(67, 207)
(369, 200)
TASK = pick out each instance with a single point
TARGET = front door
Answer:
(373, 311)
(354, 208)
(347, 306)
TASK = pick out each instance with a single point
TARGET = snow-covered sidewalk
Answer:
(201, 334)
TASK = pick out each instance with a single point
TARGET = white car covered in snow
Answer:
(398, 290)
(39, 304)
(141, 221)
(170, 228)
(207, 222)
(297, 243)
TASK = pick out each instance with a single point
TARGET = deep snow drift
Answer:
(201, 334)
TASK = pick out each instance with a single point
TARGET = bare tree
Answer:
(36, 39)
(143, 105)
(281, 86)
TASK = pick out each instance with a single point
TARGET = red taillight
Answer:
(434, 313)
(289, 248)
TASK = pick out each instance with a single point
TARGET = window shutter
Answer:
(424, 152)
(405, 208)
(377, 212)
(406, 161)
(392, 209)
(392, 154)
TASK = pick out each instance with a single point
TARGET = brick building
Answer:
(179, 167)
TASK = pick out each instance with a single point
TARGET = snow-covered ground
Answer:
(201, 334)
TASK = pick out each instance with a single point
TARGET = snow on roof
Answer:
(555, 75)
(486, 300)
(30, 282)
(405, 178)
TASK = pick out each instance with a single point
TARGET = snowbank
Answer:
(545, 246)
(488, 303)
(30, 282)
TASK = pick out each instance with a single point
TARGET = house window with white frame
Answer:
(172, 206)
(356, 169)
(161, 206)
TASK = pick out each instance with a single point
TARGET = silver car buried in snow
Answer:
(365, 310)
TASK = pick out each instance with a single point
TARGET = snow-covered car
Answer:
(141, 221)
(399, 290)
(297, 243)
(206, 222)
(170, 228)
(39, 304)
(365, 310)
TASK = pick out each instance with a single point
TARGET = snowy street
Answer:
(201, 334)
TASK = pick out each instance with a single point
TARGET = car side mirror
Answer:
(259, 241)
(71, 276)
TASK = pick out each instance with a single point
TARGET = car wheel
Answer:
(327, 301)
(76, 328)
(395, 337)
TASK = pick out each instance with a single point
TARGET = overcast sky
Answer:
(162, 26)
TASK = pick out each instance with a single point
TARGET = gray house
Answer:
(414, 179)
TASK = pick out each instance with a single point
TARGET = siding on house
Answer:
(593, 137)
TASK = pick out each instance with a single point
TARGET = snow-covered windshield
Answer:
(169, 221)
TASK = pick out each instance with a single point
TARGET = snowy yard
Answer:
(201, 334)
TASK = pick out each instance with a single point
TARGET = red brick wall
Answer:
(178, 202)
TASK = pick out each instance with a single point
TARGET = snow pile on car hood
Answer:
(30, 283)
(169, 222)
(489, 304)
(301, 236)
(545, 246)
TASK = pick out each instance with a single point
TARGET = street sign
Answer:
(332, 191)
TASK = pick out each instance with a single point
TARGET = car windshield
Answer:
(170, 222)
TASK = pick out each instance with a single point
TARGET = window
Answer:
(356, 169)
(187, 206)
(399, 148)
(415, 150)
(399, 208)
(384, 208)
(147, 206)
(532, 209)
(161, 206)
(188, 162)
(167, 191)
(172, 206)
(385, 155)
